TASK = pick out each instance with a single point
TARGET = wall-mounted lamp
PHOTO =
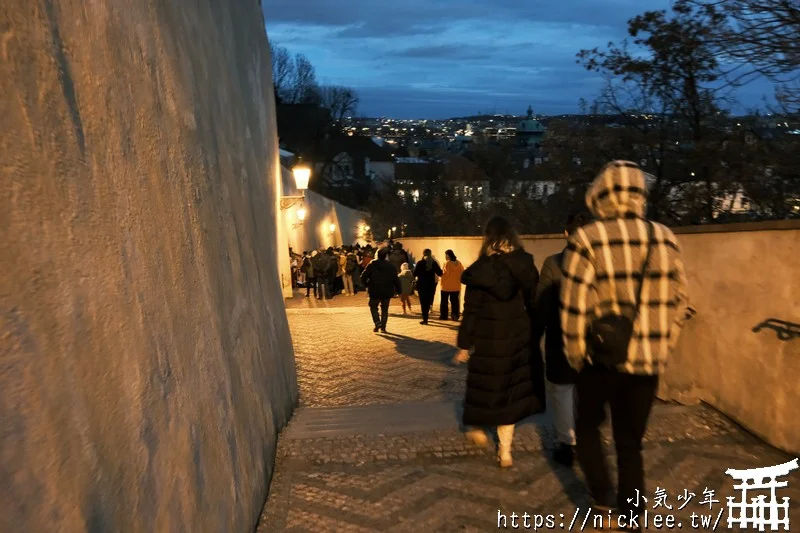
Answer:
(302, 175)
(332, 228)
(301, 216)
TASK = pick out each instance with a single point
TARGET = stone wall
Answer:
(146, 365)
(739, 276)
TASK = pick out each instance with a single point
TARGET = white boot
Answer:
(505, 435)
(476, 436)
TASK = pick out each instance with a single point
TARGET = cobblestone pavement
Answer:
(340, 361)
(376, 444)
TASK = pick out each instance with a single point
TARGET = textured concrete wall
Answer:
(737, 281)
(739, 276)
(145, 364)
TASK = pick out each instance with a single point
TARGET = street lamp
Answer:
(302, 175)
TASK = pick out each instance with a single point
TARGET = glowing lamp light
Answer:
(366, 228)
(394, 228)
(302, 175)
(301, 214)
(332, 228)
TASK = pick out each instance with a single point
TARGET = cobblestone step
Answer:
(396, 419)
(311, 422)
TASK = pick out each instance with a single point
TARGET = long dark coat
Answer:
(547, 322)
(505, 381)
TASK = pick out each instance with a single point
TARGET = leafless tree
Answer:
(282, 69)
(340, 101)
(763, 37)
(304, 87)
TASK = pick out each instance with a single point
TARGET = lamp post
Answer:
(302, 175)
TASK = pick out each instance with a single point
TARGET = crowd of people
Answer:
(609, 309)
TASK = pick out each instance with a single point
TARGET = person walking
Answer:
(350, 268)
(451, 287)
(406, 286)
(623, 278)
(398, 256)
(319, 262)
(425, 273)
(380, 278)
(547, 323)
(308, 270)
(501, 386)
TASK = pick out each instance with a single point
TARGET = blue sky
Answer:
(439, 59)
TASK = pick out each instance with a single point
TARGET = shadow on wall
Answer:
(785, 331)
(326, 223)
(721, 357)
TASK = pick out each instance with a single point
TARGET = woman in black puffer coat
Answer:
(505, 381)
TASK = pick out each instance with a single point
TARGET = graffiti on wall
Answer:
(786, 331)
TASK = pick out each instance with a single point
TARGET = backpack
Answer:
(319, 264)
(351, 264)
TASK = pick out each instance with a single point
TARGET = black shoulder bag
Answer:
(608, 337)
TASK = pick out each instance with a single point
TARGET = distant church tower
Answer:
(529, 132)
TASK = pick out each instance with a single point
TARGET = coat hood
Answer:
(501, 274)
(618, 191)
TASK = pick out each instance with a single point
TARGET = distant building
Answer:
(354, 159)
(530, 132)
(416, 176)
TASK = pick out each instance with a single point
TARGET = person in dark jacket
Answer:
(320, 262)
(504, 383)
(398, 256)
(547, 323)
(382, 283)
(425, 272)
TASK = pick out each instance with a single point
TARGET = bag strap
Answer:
(650, 234)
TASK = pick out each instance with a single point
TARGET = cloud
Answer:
(440, 58)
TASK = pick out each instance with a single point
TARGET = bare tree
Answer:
(762, 36)
(304, 87)
(340, 101)
(282, 69)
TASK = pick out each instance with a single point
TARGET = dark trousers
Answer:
(426, 301)
(373, 307)
(454, 298)
(323, 288)
(630, 398)
(311, 284)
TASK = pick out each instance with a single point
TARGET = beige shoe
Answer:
(504, 457)
(477, 437)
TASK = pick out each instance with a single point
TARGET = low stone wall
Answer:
(146, 365)
(740, 276)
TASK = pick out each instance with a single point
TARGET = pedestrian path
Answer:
(376, 445)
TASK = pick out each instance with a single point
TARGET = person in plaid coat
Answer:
(602, 267)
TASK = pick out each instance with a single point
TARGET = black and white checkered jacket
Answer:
(602, 270)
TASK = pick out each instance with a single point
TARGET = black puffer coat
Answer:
(505, 381)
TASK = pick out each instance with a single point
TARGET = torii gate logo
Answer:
(759, 512)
